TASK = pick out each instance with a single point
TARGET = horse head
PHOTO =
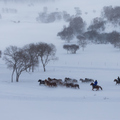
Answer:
(91, 83)
(39, 80)
(115, 80)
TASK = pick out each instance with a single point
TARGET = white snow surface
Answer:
(27, 100)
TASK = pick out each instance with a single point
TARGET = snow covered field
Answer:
(27, 100)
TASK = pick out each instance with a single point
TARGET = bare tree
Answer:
(46, 52)
(24, 63)
(112, 14)
(66, 47)
(11, 58)
(78, 25)
(82, 41)
(114, 38)
(31, 50)
(72, 48)
(18, 60)
(66, 34)
(118, 45)
(97, 24)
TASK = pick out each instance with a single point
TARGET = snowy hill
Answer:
(27, 100)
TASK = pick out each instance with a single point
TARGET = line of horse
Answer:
(70, 83)
(53, 82)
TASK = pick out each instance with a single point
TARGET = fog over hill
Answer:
(27, 13)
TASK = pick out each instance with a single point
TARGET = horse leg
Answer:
(97, 88)
(40, 83)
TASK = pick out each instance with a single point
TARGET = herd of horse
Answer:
(53, 82)
(70, 83)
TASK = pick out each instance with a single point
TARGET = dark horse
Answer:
(117, 82)
(97, 87)
(41, 81)
(75, 86)
(72, 85)
(50, 84)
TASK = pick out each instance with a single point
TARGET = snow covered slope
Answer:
(27, 100)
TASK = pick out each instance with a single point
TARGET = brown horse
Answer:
(75, 86)
(117, 82)
(86, 80)
(50, 84)
(72, 85)
(69, 84)
(97, 87)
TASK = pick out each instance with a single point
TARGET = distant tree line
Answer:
(95, 32)
(28, 57)
(76, 26)
(112, 14)
(46, 17)
(9, 10)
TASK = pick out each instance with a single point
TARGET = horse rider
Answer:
(118, 79)
(95, 83)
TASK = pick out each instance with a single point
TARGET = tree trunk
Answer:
(32, 68)
(12, 75)
(43, 64)
(17, 77)
(44, 67)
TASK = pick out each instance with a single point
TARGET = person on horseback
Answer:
(95, 83)
(118, 79)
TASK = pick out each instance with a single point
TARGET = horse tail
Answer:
(100, 87)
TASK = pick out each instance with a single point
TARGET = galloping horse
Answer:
(72, 85)
(117, 82)
(41, 81)
(50, 84)
(97, 87)
(75, 86)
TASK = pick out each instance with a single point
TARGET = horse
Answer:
(72, 85)
(89, 80)
(50, 84)
(67, 80)
(86, 80)
(41, 81)
(75, 86)
(69, 84)
(54, 80)
(97, 87)
(74, 81)
(70, 80)
(117, 82)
